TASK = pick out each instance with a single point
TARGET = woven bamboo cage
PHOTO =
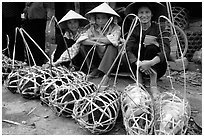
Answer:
(8, 65)
(63, 98)
(29, 85)
(78, 75)
(181, 17)
(172, 114)
(61, 71)
(172, 110)
(74, 76)
(137, 110)
(97, 112)
(55, 71)
(50, 85)
(12, 81)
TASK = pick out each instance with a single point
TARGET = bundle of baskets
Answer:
(28, 80)
(66, 92)
(181, 17)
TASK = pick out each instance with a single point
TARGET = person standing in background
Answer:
(36, 14)
(11, 18)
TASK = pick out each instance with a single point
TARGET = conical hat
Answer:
(69, 16)
(103, 8)
(157, 8)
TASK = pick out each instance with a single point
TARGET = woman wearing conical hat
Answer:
(71, 24)
(106, 40)
(152, 60)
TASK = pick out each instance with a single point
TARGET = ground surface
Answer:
(35, 119)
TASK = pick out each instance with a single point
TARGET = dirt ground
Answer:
(33, 118)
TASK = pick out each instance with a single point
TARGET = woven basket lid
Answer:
(157, 8)
(103, 8)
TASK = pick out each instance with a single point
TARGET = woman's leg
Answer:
(106, 63)
(150, 52)
(108, 58)
(158, 70)
(84, 50)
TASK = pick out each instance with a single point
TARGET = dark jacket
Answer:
(133, 42)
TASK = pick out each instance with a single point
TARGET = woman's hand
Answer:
(92, 42)
(145, 66)
(101, 39)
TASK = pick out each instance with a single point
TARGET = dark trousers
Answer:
(84, 49)
(36, 29)
(150, 51)
(103, 63)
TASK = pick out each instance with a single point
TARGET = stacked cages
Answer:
(193, 33)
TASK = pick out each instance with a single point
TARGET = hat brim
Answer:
(103, 8)
(72, 15)
(157, 9)
(82, 22)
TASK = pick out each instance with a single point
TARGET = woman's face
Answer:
(73, 25)
(101, 19)
(145, 14)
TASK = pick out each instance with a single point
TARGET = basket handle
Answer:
(14, 49)
(27, 48)
(23, 31)
(182, 57)
(123, 49)
(7, 45)
(55, 19)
